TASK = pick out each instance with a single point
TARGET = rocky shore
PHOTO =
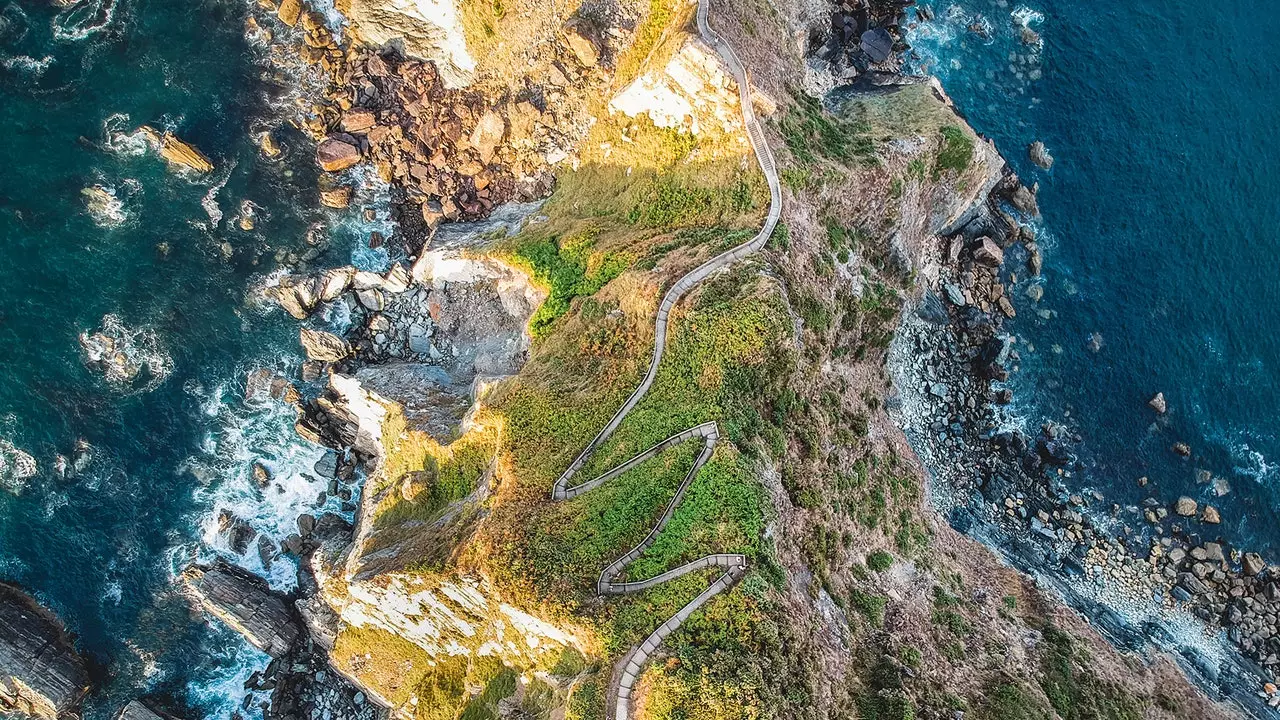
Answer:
(951, 359)
(41, 674)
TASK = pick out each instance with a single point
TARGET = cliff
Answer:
(41, 675)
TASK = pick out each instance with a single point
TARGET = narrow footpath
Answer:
(707, 433)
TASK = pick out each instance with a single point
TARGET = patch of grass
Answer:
(661, 15)
(400, 670)
(568, 267)
(587, 700)
(1009, 701)
(1072, 687)
(872, 606)
(812, 134)
(879, 561)
(955, 153)
(485, 705)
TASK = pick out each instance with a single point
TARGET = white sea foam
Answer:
(82, 19)
(350, 228)
(27, 65)
(210, 200)
(117, 139)
(223, 696)
(1024, 16)
(131, 359)
(243, 435)
(105, 206)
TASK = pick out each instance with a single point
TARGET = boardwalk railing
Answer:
(734, 565)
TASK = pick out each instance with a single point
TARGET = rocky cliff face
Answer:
(41, 675)
(244, 602)
(427, 29)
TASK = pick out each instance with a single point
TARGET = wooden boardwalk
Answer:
(708, 433)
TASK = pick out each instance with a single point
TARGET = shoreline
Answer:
(991, 482)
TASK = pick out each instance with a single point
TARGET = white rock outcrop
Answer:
(692, 90)
(426, 29)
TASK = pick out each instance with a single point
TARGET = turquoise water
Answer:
(172, 448)
(1159, 225)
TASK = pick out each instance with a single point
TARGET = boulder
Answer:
(1039, 155)
(1182, 449)
(488, 134)
(335, 282)
(371, 299)
(137, 711)
(583, 47)
(323, 346)
(41, 675)
(1253, 564)
(177, 152)
(988, 253)
(334, 155)
(338, 197)
(358, 120)
(1185, 506)
(1211, 515)
(1158, 403)
(289, 12)
(245, 602)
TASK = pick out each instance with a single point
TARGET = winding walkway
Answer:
(708, 433)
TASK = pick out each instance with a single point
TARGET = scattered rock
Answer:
(1253, 564)
(176, 151)
(988, 253)
(584, 48)
(358, 121)
(1185, 506)
(289, 12)
(245, 602)
(1211, 515)
(1182, 449)
(337, 198)
(334, 155)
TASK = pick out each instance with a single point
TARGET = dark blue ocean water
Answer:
(168, 264)
(1160, 221)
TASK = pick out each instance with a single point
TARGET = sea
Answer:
(1158, 223)
(98, 235)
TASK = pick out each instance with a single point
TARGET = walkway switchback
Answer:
(735, 566)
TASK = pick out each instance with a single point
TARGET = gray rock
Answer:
(1253, 564)
(1039, 154)
(955, 294)
(41, 675)
(245, 602)
(1158, 403)
(988, 253)
(137, 711)
(371, 299)
(396, 280)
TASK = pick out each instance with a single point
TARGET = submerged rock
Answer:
(41, 675)
(246, 603)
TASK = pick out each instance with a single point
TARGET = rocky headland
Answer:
(442, 384)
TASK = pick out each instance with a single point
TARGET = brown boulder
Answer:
(335, 155)
(337, 198)
(584, 48)
(488, 134)
(289, 12)
(988, 253)
(323, 346)
(358, 121)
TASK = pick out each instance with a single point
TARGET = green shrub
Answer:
(956, 152)
(870, 605)
(879, 560)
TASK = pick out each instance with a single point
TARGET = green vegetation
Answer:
(879, 560)
(651, 29)
(485, 705)
(1008, 701)
(813, 134)
(870, 605)
(671, 202)
(956, 152)
(569, 267)
(884, 698)
(1074, 690)
(401, 670)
